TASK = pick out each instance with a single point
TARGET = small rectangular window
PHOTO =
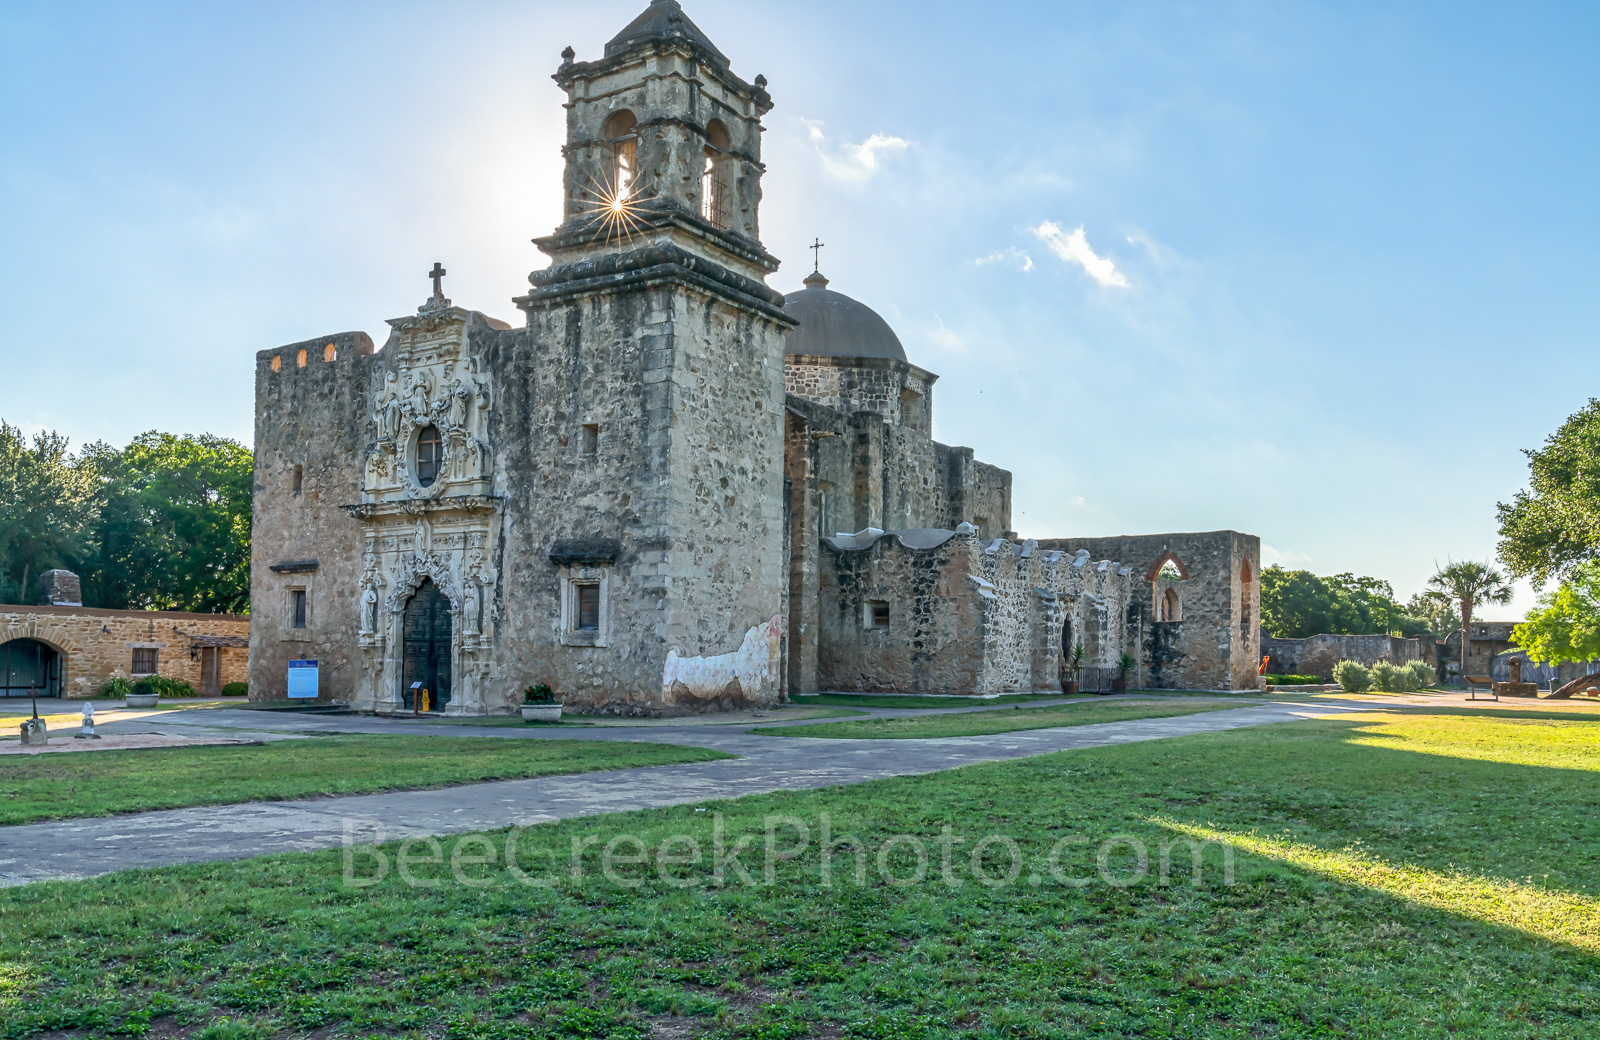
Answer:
(299, 478)
(145, 661)
(588, 607)
(591, 439)
(298, 607)
(877, 614)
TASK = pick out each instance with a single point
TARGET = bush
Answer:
(1274, 679)
(1386, 678)
(116, 687)
(1352, 677)
(236, 689)
(162, 686)
(1422, 674)
(539, 693)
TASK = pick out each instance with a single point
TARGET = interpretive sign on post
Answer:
(302, 678)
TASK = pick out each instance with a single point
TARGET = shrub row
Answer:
(1383, 677)
(1274, 679)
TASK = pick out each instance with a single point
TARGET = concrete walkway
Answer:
(83, 848)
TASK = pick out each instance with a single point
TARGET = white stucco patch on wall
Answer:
(753, 667)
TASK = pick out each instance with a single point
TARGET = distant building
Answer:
(60, 648)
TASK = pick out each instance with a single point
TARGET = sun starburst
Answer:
(617, 211)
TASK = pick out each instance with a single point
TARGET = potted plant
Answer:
(1124, 666)
(143, 694)
(1075, 666)
(539, 704)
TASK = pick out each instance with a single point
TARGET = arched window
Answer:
(624, 142)
(430, 452)
(716, 179)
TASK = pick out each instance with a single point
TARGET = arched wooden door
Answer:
(426, 651)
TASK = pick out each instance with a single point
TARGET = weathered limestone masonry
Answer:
(1200, 632)
(935, 611)
(85, 646)
(595, 500)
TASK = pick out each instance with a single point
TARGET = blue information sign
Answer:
(302, 678)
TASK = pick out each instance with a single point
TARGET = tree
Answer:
(1296, 604)
(1470, 584)
(1565, 626)
(1431, 613)
(174, 526)
(1547, 531)
(47, 504)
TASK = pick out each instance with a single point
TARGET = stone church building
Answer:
(672, 488)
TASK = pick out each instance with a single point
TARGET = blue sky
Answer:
(1312, 271)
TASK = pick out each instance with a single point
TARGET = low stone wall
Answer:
(1316, 655)
(96, 644)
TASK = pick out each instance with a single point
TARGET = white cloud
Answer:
(1010, 255)
(853, 162)
(1074, 248)
(1271, 555)
(946, 337)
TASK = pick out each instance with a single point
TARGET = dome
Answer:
(662, 20)
(833, 324)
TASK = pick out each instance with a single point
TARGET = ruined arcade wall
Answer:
(311, 409)
(1216, 645)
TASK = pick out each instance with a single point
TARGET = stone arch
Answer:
(54, 636)
(1171, 605)
(1246, 574)
(417, 570)
(1161, 561)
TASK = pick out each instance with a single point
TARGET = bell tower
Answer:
(663, 146)
(651, 388)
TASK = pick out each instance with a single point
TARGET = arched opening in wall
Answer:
(622, 139)
(1171, 607)
(430, 453)
(425, 646)
(1168, 565)
(716, 179)
(29, 668)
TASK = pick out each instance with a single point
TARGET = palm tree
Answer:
(1469, 584)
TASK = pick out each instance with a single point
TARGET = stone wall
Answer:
(1216, 645)
(312, 418)
(965, 616)
(96, 644)
(1316, 655)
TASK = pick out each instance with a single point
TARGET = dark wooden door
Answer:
(210, 671)
(426, 650)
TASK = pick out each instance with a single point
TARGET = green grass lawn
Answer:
(1001, 720)
(1397, 875)
(867, 700)
(100, 783)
